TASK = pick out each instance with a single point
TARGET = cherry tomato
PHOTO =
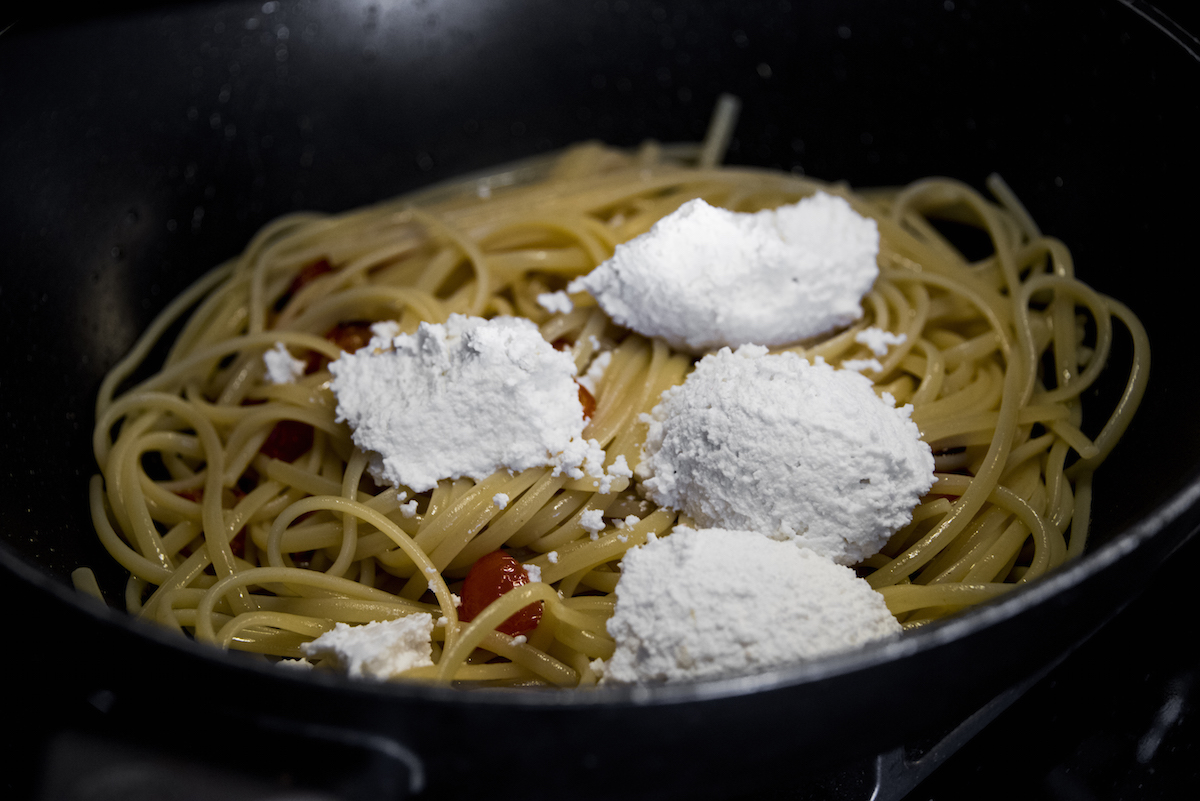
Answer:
(348, 336)
(304, 277)
(490, 577)
(588, 402)
(288, 440)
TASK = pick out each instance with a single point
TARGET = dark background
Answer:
(1116, 720)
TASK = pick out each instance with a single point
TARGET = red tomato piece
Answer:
(348, 336)
(307, 275)
(490, 577)
(588, 402)
(288, 440)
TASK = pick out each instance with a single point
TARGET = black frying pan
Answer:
(138, 149)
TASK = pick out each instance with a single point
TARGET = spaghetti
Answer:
(245, 518)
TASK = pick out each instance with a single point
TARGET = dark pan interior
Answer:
(139, 149)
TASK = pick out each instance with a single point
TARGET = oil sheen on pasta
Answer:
(243, 515)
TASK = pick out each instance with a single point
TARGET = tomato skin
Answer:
(587, 401)
(491, 576)
(288, 440)
(350, 336)
(307, 274)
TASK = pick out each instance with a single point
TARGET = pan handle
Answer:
(293, 761)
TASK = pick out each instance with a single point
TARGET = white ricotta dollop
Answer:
(795, 451)
(711, 602)
(704, 277)
(466, 398)
(378, 650)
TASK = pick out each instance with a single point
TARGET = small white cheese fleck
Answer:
(378, 650)
(711, 602)
(500, 500)
(534, 572)
(282, 367)
(878, 340)
(409, 510)
(591, 379)
(862, 365)
(295, 664)
(704, 277)
(592, 521)
(556, 302)
(552, 557)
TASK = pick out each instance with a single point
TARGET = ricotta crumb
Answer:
(591, 379)
(704, 277)
(378, 650)
(534, 572)
(500, 500)
(301, 664)
(466, 398)
(709, 602)
(556, 302)
(552, 557)
(878, 340)
(863, 365)
(793, 450)
(282, 367)
(592, 521)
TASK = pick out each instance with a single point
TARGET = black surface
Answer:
(1117, 720)
(141, 177)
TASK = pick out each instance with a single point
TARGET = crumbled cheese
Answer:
(553, 302)
(409, 510)
(282, 367)
(385, 329)
(592, 521)
(712, 602)
(794, 450)
(466, 398)
(628, 522)
(863, 365)
(295, 664)
(591, 379)
(500, 500)
(552, 557)
(520, 639)
(534, 572)
(704, 277)
(378, 650)
(620, 468)
(878, 340)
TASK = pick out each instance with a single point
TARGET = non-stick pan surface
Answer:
(139, 149)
